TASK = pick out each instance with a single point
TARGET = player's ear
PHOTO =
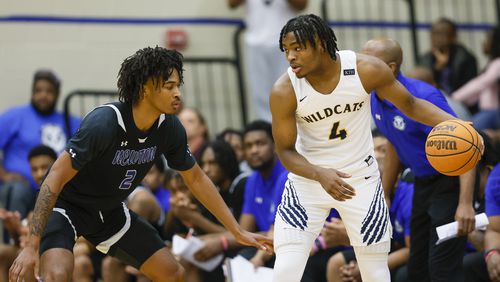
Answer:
(319, 45)
(146, 88)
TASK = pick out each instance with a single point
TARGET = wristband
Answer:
(224, 242)
(317, 245)
(322, 242)
(489, 253)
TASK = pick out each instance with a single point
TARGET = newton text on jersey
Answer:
(132, 157)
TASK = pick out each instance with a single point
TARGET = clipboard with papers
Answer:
(240, 269)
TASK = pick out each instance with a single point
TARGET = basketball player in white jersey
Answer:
(321, 125)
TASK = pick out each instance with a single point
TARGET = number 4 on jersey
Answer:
(336, 133)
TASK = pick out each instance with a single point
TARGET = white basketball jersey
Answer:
(333, 130)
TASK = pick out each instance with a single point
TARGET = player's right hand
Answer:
(24, 263)
(332, 182)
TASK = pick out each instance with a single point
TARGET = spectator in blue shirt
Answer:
(437, 199)
(264, 186)
(27, 126)
(492, 237)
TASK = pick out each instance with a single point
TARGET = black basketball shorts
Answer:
(133, 246)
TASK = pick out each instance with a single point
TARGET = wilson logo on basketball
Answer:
(444, 128)
(442, 144)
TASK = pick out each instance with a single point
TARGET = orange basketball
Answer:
(453, 147)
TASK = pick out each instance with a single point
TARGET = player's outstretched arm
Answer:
(204, 190)
(60, 173)
(376, 75)
(283, 105)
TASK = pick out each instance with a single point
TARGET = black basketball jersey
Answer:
(112, 156)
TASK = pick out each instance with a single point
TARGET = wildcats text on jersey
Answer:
(131, 157)
(327, 112)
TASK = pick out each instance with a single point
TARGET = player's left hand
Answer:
(261, 242)
(465, 216)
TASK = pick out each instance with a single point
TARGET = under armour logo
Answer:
(124, 143)
(73, 154)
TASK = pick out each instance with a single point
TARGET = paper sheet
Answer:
(186, 248)
(449, 231)
(239, 269)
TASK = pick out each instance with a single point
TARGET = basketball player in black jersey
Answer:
(110, 154)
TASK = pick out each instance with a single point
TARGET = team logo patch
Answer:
(349, 72)
(399, 123)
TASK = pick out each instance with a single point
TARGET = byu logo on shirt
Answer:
(53, 136)
(399, 123)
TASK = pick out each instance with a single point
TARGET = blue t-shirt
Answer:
(493, 192)
(262, 196)
(163, 196)
(407, 135)
(400, 211)
(23, 128)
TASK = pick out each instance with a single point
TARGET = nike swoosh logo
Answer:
(367, 177)
(302, 99)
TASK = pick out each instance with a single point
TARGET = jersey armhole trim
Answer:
(118, 116)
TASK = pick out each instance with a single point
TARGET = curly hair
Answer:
(157, 63)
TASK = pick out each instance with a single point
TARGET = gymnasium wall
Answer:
(85, 41)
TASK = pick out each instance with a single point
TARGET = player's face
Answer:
(302, 59)
(259, 149)
(166, 96)
(236, 143)
(44, 96)
(442, 36)
(192, 123)
(39, 166)
(211, 167)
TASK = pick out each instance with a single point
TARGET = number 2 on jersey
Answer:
(336, 133)
(129, 177)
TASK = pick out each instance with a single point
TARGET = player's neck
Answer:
(322, 76)
(143, 116)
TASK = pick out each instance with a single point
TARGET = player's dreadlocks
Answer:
(157, 63)
(306, 28)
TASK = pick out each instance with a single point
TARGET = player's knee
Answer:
(170, 273)
(56, 273)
